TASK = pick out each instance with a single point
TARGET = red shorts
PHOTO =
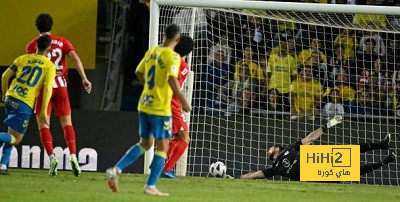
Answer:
(178, 122)
(59, 101)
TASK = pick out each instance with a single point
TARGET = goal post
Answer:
(154, 39)
(244, 108)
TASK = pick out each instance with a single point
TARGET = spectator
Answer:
(305, 93)
(274, 104)
(304, 57)
(256, 71)
(281, 67)
(379, 45)
(374, 87)
(281, 27)
(338, 62)
(223, 46)
(335, 105)
(217, 75)
(348, 42)
(377, 77)
(346, 91)
(240, 90)
(365, 59)
(291, 43)
(319, 68)
(365, 105)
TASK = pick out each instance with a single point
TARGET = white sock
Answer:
(51, 157)
(3, 167)
(119, 171)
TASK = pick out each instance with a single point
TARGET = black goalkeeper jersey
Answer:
(287, 164)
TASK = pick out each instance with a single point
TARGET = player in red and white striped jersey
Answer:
(60, 49)
(180, 128)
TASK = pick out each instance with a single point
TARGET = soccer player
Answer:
(60, 48)
(287, 160)
(158, 72)
(180, 129)
(32, 72)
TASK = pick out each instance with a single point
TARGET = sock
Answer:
(47, 140)
(69, 135)
(370, 167)
(156, 167)
(171, 147)
(7, 138)
(364, 147)
(51, 156)
(130, 156)
(5, 157)
(180, 148)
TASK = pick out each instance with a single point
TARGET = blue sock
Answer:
(156, 167)
(131, 155)
(5, 157)
(6, 138)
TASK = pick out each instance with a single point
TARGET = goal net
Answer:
(265, 75)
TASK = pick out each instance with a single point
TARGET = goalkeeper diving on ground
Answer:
(291, 154)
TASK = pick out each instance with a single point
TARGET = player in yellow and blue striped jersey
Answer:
(32, 72)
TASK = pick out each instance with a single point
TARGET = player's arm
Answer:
(317, 133)
(79, 67)
(5, 79)
(253, 175)
(140, 72)
(47, 91)
(266, 173)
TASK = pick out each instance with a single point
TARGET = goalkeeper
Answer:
(287, 160)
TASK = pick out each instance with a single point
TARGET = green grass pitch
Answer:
(36, 185)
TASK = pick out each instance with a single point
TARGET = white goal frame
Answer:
(242, 4)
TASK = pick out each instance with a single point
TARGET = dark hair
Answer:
(371, 40)
(279, 146)
(185, 46)
(338, 46)
(172, 31)
(43, 42)
(44, 22)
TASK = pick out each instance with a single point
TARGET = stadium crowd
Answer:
(248, 62)
(261, 63)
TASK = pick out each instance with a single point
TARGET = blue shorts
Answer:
(157, 126)
(18, 114)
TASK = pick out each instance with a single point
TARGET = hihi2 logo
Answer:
(329, 163)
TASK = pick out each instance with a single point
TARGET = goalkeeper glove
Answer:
(334, 121)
